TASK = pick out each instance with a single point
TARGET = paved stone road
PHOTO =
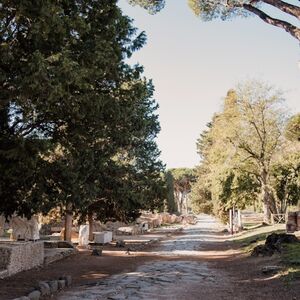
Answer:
(183, 278)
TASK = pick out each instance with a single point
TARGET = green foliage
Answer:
(171, 204)
(179, 182)
(153, 6)
(292, 130)
(78, 122)
(201, 197)
(239, 149)
(286, 179)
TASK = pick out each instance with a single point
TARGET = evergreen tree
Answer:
(72, 102)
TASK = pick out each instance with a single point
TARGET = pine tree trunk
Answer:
(91, 226)
(68, 222)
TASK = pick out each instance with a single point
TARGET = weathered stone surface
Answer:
(83, 235)
(22, 298)
(53, 284)
(58, 244)
(19, 256)
(44, 288)
(61, 284)
(2, 223)
(67, 279)
(25, 229)
(35, 295)
(56, 254)
(103, 237)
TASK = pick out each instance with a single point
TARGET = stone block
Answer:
(44, 288)
(19, 256)
(53, 284)
(35, 295)
(61, 284)
(67, 279)
(102, 237)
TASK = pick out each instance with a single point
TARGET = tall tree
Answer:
(241, 145)
(224, 10)
(182, 180)
(69, 98)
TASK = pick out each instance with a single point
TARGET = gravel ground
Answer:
(197, 263)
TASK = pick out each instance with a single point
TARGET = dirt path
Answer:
(177, 275)
(197, 264)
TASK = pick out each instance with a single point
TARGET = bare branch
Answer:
(291, 29)
(285, 7)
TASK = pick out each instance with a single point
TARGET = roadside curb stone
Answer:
(47, 288)
(61, 284)
(35, 295)
(67, 279)
(53, 284)
(44, 288)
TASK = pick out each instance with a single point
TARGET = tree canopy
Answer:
(224, 10)
(77, 122)
(241, 155)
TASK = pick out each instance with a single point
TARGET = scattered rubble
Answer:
(48, 288)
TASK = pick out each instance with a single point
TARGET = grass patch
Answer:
(291, 254)
(250, 242)
(291, 258)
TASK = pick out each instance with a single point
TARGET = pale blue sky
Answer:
(193, 64)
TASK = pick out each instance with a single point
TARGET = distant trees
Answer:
(182, 179)
(293, 128)
(224, 10)
(240, 150)
(77, 123)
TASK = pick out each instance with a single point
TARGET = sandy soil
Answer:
(197, 264)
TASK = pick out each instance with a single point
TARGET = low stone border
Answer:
(47, 288)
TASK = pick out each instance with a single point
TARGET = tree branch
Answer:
(285, 7)
(291, 29)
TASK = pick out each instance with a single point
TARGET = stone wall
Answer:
(19, 256)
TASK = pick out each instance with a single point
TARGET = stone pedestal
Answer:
(19, 256)
(102, 237)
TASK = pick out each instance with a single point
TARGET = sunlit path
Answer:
(177, 275)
